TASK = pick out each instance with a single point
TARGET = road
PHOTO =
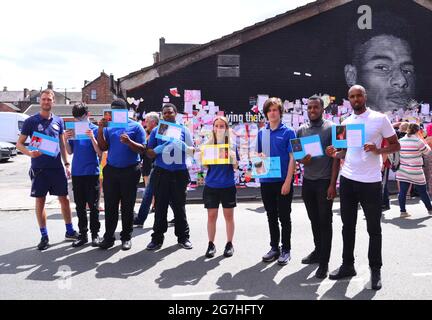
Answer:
(63, 272)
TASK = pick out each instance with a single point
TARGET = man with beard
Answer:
(360, 182)
(47, 173)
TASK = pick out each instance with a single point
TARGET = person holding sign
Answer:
(170, 178)
(360, 182)
(274, 141)
(85, 175)
(319, 185)
(47, 172)
(220, 187)
(121, 174)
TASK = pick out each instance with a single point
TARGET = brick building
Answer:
(99, 91)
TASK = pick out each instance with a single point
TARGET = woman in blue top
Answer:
(220, 188)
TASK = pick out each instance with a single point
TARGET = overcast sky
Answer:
(68, 42)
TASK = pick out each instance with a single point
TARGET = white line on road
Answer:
(426, 274)
(207, 293)
(327, 283)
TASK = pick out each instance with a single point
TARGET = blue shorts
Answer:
(52, 180)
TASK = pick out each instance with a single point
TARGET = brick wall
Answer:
(103, 92)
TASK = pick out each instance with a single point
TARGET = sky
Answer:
(68, 42)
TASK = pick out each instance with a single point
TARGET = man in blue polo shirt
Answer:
(170, 178)
(47, 173)
(85, 176)
(121, 175)
(274, 141)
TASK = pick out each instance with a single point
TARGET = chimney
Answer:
(85, 82)
(156, 57)
(4, 89)
(50, 85)
(112, 83)
(26, 93)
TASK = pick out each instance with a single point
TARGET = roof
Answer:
(10, 105)
(74, 96)
(102, 74)
(65, 110)
(165, 67)
(11, 96)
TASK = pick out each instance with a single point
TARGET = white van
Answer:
(10, 126)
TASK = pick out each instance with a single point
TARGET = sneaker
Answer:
(71, 236)
(96, 241)
(312, 258)
(153, 246)
(272, 255)
(126, 245)
(284, 258)
(229, 250)
(43, 244)
(82, 240)
(404, 215)
(137, 223)
(185, 244)
(171, 222)
(106, 244)
(211, 250)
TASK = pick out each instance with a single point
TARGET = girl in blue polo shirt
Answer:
(220, 188)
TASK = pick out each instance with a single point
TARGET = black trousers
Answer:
(120, 186)
(170, 189)
(86, 192)
(369, 195)
(278, 208)
(319, 209)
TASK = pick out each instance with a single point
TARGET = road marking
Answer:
(426, 274)
(206, 293)
(331, 282)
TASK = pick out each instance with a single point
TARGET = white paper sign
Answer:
(314, 149)
(354, 138)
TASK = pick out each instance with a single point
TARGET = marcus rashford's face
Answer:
(387, 73)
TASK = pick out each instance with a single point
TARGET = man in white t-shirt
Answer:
(360, 182)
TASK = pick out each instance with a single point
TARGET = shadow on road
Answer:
(188, 273)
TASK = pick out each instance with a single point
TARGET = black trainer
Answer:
(71, 236)
(96, 240)
(106, 244)
(312, 258)
(153, 246)
(343, 272)
(171, 222)
(137, 223)
(82, 240)
(229, 250)
(211, 250)
(43, 244)
(376, 279)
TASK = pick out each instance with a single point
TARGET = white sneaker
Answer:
(404, 215)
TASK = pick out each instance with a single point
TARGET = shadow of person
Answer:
(339, 290)
(259, 281)
(46, 264)
(188, 273)
(257, 210)
(407, 223)
(133, 265)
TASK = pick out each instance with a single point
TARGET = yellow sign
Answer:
(212, 154)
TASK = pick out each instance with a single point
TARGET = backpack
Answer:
(394, 159)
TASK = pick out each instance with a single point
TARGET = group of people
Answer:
(167, 179)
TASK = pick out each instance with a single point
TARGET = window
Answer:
(93, 95)
(228, 66)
